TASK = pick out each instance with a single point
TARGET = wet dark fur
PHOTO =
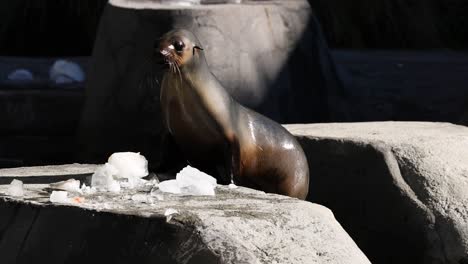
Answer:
(220, 136)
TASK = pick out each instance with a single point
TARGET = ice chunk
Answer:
(200, 188)
(21, 75)
(232, 186)
(194, 182)
(114, 186)
(170, 186)
(191, 176)
(70, 185)
(59, 197)
(103, 178)
(190, 181)
(129, 165)
(87, 189)
(133, 182)
(16, 188)
(123, 169)
(63, 71)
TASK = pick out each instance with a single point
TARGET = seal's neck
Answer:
(197, 66)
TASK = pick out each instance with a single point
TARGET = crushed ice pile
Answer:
(126, 170)
(123, 169)
(103, 179)
(63, 71)
(64, 188)
(190, 181)
(70, 185)
(16, 188)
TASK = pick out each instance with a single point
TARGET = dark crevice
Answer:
(28, 232)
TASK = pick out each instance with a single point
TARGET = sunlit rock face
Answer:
(270, 55)
(399, 185)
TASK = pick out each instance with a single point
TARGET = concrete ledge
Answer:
(48, 174)
(236, 226)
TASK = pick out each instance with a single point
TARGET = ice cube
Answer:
(192, 176)
(170, 186)
(103, 178)
(59, 197)
(70, 185)
(190, 181)
(199, 188)
(113, 186)
(129, 164)
(195, 182)
(16, 188)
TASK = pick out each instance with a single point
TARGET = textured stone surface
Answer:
(235, 226)
(47, 174)
(270, 55)
(397, 185)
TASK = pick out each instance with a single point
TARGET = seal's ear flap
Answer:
(196, 47)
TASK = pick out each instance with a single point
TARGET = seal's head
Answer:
(180, 48)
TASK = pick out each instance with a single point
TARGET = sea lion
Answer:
(217, 134)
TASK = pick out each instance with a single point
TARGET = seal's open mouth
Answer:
(170, 58)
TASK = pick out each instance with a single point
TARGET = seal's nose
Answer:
(158, 57)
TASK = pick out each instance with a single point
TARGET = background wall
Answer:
(34, 28)
(394, 24)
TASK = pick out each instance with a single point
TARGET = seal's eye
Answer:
(178, 45)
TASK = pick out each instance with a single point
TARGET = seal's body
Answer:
(220, 136)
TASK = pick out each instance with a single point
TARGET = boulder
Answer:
(235, 226)
(270, 55)
(399, 188)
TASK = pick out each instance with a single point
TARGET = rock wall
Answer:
(399, 188)
(271, 56)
